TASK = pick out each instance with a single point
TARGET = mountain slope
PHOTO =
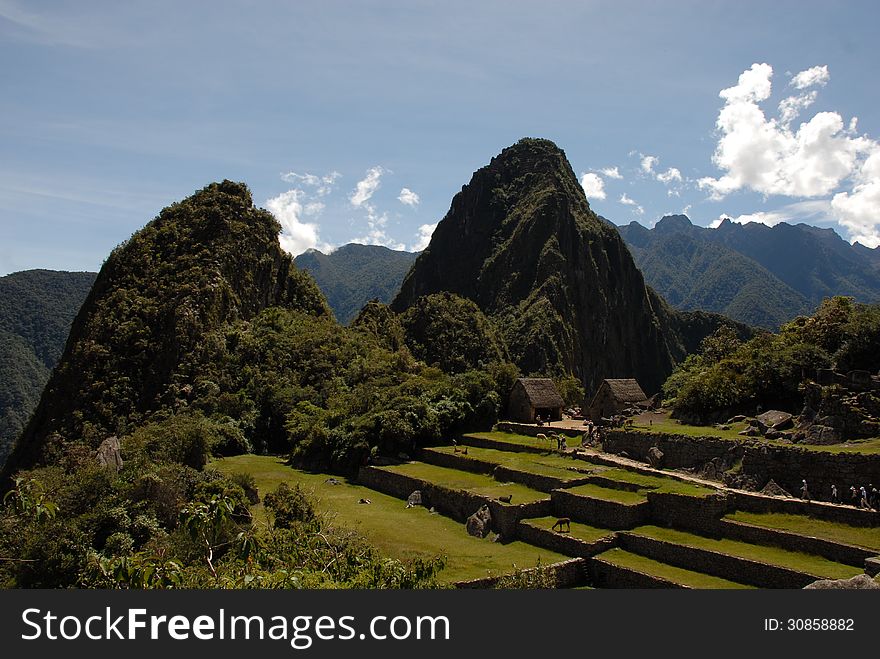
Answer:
(354, 274)
(692, 272)
(760, 275)
(36, 310)
(521, 241)
(154, 320)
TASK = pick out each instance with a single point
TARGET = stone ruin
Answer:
(839, 407)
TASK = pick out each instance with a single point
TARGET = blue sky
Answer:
(361, 120)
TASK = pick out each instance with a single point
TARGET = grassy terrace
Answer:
(463, 480)
(607, 494)
(656, 483)
(807, 563)
(549, 464)
(520, 440)
(868, 538)
(664, 424)
(580, 531)
(396, 531)
(677, 575)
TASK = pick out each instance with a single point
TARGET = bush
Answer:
(289, 506)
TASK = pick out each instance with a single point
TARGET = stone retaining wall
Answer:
(679, 451)
(717, 564)
(456, 461)
(756, 503)
(457, 504)
(485, 442)
(567, 574)
(608, 575)
(700, 514)
(563, 543)
(598, 512)
(834, 551)
(538, 482)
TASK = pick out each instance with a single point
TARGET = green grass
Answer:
(607, 494)
(673, 427)
(580, 531)
(464, 480)
(656, 483)
(868, 538)
(671, 573)
(514, 438)
(807, 563)
(557, 466)
(396, 531)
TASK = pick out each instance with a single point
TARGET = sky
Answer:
(359, 121)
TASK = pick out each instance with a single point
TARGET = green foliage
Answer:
(571, 390)
(288, 506)
(729, 376)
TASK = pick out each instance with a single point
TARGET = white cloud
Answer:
(818, 75)
(766, 156)
(323, 184)
(611, 172)
(859, 210)
(670, 175)
(790, 108)
(631, 202)
(816, 212)
(367, 186)
(408, 197)
(296, 236)
(423, 237)
(648, 163)
(314, 208)
(593, 185)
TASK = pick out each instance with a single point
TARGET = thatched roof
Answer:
(541, 392)
(626, 390)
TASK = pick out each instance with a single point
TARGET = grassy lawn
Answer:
(396, 531)
(513, 438)
(463, 480)
(580, 531)
(807, 563)
(868, 538)
(656, 483)
(663, 424)
(607, 494)
(557, 466)
(674, 574)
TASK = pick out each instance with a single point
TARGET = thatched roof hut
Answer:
(533, 396)
(614, 396)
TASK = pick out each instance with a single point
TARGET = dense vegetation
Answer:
(759, 275)
(353, 274)
(729, 376)
(36, 310)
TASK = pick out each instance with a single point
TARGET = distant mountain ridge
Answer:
(754, 273)
(36, 310)
(354, 274)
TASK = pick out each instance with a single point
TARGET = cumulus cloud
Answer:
(671, 175)
(593, 185)
(816, 212)
(626, 201)
(423, 237)
(296, 236)
(766, 156)
(790, 107)
(323, 185)
(818, 75)
(408, 198)
(648, 163)
(365, 188)
(611, 172)
(859, 209)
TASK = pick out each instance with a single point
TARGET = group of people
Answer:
(866, 497)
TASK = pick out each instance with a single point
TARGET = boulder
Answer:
(655, 457)
(479, 524)
(736, 419)
(109, 455)
(772, 489)
(776, 420)
(414, 499)
(858, 582)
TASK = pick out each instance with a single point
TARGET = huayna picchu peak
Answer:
(521, 241)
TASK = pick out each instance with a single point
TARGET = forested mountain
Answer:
(354, 274)
(521, 241)
(36, 310)
(756, 274)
